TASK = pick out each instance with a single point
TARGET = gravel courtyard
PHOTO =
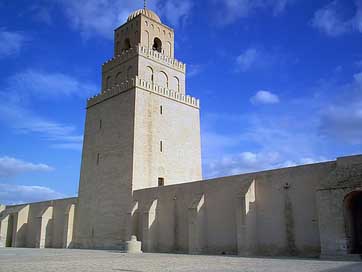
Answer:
(41, 260)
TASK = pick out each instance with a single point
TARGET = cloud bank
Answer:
(11, 167)
(11, 43)
(11, 194)
(330, 21)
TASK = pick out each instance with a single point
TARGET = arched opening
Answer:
(149, 74)
(353, 221)
(129, 72)
(108, 82)
(157, 45)
(168, 49)
(119, 78)
(162, 79)
(175, 84)
(146, 38)
(126, 45)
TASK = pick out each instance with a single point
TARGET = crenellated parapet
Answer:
(146, 86)
(109, 93)
(146, 52)
(156, 56)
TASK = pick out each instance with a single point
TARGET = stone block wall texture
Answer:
(345, 178)
(105, 189)
(177, 128)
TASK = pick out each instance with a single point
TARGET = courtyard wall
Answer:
(266, 213)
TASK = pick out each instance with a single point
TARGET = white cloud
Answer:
(194, 70)
(41, 84)
(264, 97)
(248, 59)
(11, 194)
(359, 64)
(357, 21)
(231, 10)
(23, 88)
(248, 162)
(96, 17)
(341, 120)
(25, 121)
(301, 131)
(330, 21)
(10, 43)
(176, 12)
(11, 167)
(100, 17)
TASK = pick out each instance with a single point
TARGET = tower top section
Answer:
(144, 28)
(146, 12)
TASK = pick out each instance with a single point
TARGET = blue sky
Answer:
(280, 83)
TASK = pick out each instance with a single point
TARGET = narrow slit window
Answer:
(161, 110)
(161, 146)
(100, 124)
(98, 159)
(161, 182)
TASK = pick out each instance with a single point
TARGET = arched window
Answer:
(127, 44)
(129, 72)
(175, 84)
(157, 45)
(168, 49)
(353, 221)
(146, 38)
(108, 82)
(119, 78)
(149, 74)
(162, 79)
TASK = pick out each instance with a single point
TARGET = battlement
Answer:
(147, 86)
(146, 52)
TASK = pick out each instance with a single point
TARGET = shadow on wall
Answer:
(20, 236)
(354, 267)
(149, 227)
(49, 234)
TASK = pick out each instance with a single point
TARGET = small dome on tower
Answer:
(146, 12)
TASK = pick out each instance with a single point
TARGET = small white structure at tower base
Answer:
(133, 246)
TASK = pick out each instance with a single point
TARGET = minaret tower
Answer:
(141, 130)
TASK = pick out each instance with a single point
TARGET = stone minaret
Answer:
(141, 131)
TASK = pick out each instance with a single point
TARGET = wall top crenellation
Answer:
(144, 85)
(149, 53)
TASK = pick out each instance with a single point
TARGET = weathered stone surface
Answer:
(57, 260)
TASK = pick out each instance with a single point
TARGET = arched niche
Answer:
(146, 38)
(168, 49)
(119, 78)
(149, 74)
(175, 84)
(108, 82)
(353, 221)
(162, 79)
(129, 72)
